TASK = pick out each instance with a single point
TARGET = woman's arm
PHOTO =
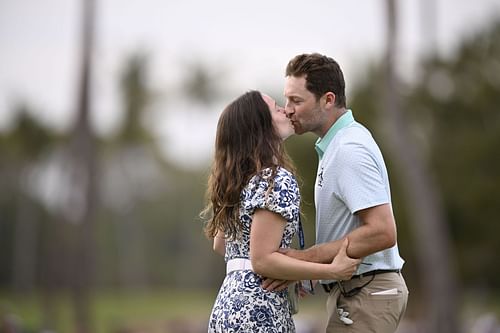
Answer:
(265, 239)
(220, 243)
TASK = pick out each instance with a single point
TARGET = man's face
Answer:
(302, 108)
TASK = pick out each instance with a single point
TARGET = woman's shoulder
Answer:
(280, 172)
(278, 175)
(285, 172)
(282, 176)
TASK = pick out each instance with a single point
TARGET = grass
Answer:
(111, 311)
(129, 311)
(171, 310)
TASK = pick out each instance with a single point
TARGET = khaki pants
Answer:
(370, 313)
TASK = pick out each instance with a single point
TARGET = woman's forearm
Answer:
(278, 266)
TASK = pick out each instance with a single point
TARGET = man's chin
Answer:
(299, 131)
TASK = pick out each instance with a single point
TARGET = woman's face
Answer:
(282, 124)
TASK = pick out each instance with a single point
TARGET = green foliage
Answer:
(199, 84)
(27, 138)
(457, 107)
(301, 150)
(454, 116)
(136, 97)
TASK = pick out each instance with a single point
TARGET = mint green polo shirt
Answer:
(322, 143)
(351, 176)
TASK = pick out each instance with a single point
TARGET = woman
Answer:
(254, 206)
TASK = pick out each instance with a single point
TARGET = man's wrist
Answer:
(308, 254)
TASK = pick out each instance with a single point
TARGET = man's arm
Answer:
(377, 232)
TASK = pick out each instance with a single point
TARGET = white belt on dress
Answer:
(238, 264)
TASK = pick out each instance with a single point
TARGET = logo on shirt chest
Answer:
(320, 177)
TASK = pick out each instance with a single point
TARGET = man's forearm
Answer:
(320, 253)
(361, 244)
(325, 252)
(363, 241)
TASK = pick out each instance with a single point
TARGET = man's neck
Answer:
(333, 117)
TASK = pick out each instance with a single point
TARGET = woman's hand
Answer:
(343, 266)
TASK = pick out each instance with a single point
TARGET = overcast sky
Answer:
(252, 40)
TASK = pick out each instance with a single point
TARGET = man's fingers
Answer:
(277, 285)
(282, 286)
(266, 283)
(274, 285)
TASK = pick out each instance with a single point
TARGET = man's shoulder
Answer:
(355, 132)
(355, 137)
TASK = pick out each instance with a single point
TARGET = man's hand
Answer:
(275, 285)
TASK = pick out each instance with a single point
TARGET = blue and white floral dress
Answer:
(242, 305)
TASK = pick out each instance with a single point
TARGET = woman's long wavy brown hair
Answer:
(246, 143)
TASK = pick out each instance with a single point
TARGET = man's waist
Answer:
(328, 286)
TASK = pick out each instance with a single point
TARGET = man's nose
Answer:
(288, 110)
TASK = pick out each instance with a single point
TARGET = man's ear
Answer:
(330, 99)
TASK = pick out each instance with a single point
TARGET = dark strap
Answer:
(329, 286)
(310, 286)
(301, 234)
(376, 272)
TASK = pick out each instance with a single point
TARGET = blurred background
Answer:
(108, 112)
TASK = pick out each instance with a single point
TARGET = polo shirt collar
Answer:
(322, 143)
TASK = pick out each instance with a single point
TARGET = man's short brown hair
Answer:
(322, 74)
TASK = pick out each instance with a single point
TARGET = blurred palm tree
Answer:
(433, 245)
(81, 181)
(203, 84)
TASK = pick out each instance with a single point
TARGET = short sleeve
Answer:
(361, 181)
(283, 198)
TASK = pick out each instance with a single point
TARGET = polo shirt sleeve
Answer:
(283, 198)
(360, 180)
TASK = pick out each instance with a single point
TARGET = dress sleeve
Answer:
(283, 198)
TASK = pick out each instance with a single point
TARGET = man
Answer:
(352, 198)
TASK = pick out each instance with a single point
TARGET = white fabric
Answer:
(238, 264)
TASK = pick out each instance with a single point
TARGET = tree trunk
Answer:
(83, 171)
(25, 243)
(434, 253)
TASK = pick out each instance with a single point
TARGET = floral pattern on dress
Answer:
(241, 304)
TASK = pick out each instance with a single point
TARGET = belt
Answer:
(329, 286)
(238, 264)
